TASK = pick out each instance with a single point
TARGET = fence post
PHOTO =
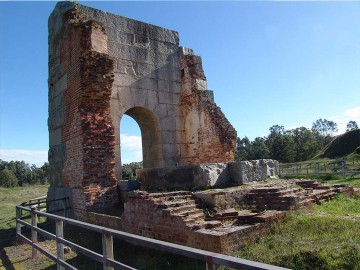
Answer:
(64, 206)
(318, 169)
(108, 250)
(209, 263)
(34, 236)
(18, 226)
(59, 246)
(343, 169)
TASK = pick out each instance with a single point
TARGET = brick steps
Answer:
(180, 204)
(290, 196)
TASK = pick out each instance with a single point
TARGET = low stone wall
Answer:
(187, 177)
(202, 176)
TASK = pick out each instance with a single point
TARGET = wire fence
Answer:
(344, 168)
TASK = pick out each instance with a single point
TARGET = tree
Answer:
(306, 143)
(243, 149)
(324, 127)
(351, 126)
(277, 129)
(259, 150)
(129, 170)
(281, 145)
(8, 178)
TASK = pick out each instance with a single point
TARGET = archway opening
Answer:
(130, 147)
(131, 121)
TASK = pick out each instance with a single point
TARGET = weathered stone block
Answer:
(253, 170)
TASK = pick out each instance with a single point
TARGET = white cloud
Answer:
(131, 148)
(352, 114)
(37, 157)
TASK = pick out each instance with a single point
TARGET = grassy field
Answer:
(10, 197)
(322, 237)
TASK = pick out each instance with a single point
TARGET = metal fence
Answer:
(344, 168)
(211, 259)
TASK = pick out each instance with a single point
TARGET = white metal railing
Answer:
(107, 257)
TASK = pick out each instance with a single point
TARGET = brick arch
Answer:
(151, 136)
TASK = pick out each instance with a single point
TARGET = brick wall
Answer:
(209, 136)
(142, 216)
(86, 131)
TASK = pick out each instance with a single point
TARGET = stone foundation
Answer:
(178, 217)
(202, 176)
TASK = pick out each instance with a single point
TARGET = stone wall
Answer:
(202, 176)
(102, 66)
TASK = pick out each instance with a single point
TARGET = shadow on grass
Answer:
(133, 255)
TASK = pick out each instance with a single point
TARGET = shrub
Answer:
(8, 178)
(305, 260)
(327, 177)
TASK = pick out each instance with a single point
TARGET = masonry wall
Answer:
(103, 66)
(82, 140)
(147, 85)
(209, 137)
(142, 217)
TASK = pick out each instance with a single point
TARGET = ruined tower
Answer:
(102, 66)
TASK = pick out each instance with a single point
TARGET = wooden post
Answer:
(209, 263)
(318, 169)
(38, 208)
(59, 246)
(34, 236)
(108, 250)
(64, 206)
(18, 225)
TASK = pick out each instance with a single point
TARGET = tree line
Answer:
(293, 145)
(19, 173)
(298, 144)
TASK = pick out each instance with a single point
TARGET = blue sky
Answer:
(285, 63)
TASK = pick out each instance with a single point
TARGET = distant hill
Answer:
(342, 145)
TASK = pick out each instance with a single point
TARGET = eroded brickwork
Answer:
(86, 131)
(209, 135)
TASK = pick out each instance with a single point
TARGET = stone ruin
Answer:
(102, 66)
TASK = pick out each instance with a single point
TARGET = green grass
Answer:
(355, 182)
(323, 237)
(342, 206)
(10, 197)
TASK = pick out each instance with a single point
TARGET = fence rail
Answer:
(345, 168)
(107, 257)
